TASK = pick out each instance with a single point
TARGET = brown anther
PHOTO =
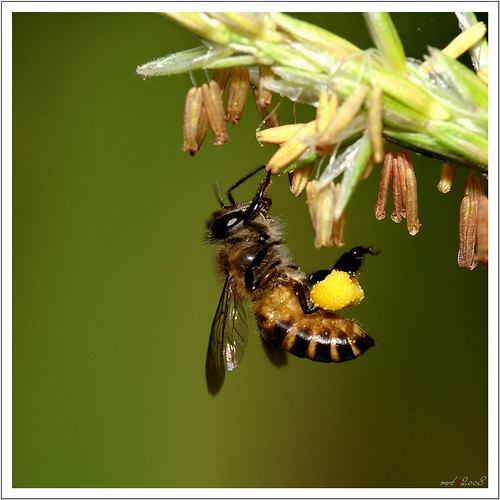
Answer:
(192, 111)
(292, 149)
(483, 74)
(375, 124)
(482, 232)
(265, 95)
(462, 231)
(221, 76)
(320, 204)
(327, 109)
(339, 230)
(237, 95)
(299, 178)
(468, 222)
(278, 135)
(398, 188)
(412, 222)
(465, 40)
(367, 171)
(212, 100)
(383, 187)
(343, 117)
(202, 130)
(447, 175)
(244, 23)
(340, 224)
(460, 44)
(268, 113)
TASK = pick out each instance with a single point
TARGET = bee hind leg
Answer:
(349, 262)
(302, 293)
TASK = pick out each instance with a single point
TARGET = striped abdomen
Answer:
(320, 336)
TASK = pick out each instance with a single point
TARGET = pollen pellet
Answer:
(336, 291)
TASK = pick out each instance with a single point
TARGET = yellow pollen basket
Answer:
(336, 291)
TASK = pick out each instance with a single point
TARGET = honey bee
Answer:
(254, 265)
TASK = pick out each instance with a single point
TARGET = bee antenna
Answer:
(218, 195)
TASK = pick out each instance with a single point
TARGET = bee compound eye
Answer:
(223, 225)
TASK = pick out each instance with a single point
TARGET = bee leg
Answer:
(234, 186)
(319, 275)
(349, 262)
(259, 198)
(256, 262)
(302, 294)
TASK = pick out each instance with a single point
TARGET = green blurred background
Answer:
(114, 291)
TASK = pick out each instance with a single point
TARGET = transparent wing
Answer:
(228, 337)
(235, 334)
(277, 356)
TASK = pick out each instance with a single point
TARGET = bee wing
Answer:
(277, 356)
(228, 337)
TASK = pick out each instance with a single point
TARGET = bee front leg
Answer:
(349, 262)
(256, 262)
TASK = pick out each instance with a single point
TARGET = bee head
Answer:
(230, 218)
(223, 222)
